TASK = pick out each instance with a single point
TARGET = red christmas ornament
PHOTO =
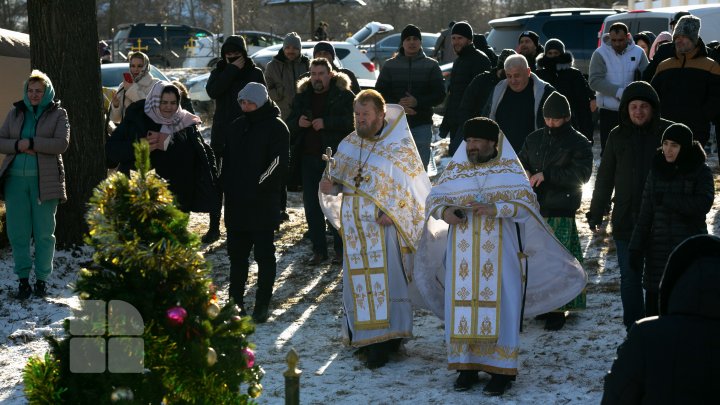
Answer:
(176, 316)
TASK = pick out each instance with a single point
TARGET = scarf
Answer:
(180, 120)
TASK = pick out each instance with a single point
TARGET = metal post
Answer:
(292, 379)
(228, 18)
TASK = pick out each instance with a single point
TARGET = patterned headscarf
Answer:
(178, 121)
(146, 64)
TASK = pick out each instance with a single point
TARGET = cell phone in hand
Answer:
(128, 77)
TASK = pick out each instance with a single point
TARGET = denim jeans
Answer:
(422, 134)
(312, 172)
(631, 291)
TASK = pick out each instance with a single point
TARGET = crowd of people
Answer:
(521, 132)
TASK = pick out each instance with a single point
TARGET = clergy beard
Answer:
(369, 131)
(475, 157)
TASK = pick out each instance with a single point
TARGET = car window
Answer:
(655, 25)
(429, 41)
(393, 41)
(504, 37)
(570, 32)
(341, 53)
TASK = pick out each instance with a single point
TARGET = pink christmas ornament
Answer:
(176, 316)
(249, 357)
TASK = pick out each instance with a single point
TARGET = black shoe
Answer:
(261, 313)
(377, 356)
(40, 289)
(24, 290)
(466, 380)
(498, 384)
(211, 236)
(317, 259)
(555, 321)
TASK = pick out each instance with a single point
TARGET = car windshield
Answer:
(113, 76)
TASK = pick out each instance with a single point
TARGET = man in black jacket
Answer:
(624, 167)
(234, 70)
(414, 81)
(673, 358)
(558, 160)
(470, 63)
(252, 179)
(321, 116)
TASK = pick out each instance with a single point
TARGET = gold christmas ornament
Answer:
(211, 357)
(122, 394)
(213, 310)
(255, 390)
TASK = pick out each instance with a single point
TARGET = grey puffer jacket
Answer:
(52, 136)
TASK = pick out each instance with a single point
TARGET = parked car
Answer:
(348, 56)
(165, 44)
(578, 28)
(657, 20)
(386, 48)
(206, 50)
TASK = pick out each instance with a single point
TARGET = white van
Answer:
(657, 20)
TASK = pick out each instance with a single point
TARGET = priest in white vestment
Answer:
(496, 237)
(374, 193)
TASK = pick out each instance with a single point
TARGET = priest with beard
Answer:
(374, 191)
(501, 260)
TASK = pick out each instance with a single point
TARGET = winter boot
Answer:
(213, 232)
(40, 289)
(24, 290)
(499, 383)
(466, 380)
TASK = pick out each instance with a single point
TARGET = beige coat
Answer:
(281, 75)
(52, 136)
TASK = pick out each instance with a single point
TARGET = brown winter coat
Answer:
(52, 136)
(281, 76)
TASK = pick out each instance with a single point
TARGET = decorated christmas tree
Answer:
(151, 331)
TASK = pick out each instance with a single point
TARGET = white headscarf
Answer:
(178, 121)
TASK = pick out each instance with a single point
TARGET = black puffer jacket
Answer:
(258, 143)
(564, 156)
(569, 82)
(675, 358)
(187, 165)
(418, 76)
(626, 162)
(676, 199)
(223, 86)
(470, 63)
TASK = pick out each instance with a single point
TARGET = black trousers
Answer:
(238, 246)
(609, 119)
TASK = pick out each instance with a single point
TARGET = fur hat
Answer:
(680, 134)
(678, 16)
(410, 31)
(324, 46)
(504, 55)
(532, 35)
(556, 106)
(292, 39)
(554, 43)
(481, 127)
(462, 28)
(255, 93)
(688, 26)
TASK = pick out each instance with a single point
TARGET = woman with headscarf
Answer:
(130, 92)
(177, 151)
(32, 179)
(679, 192)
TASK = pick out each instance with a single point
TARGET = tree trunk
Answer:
(63, 44)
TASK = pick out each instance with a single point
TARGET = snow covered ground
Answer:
(564, 367)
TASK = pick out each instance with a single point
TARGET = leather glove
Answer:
(637, 260)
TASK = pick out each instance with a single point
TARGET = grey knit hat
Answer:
(556, 106)
(255, 93)
(292, 39)
(688, 26)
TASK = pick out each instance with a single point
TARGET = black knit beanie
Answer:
(680, 134)
(556, 106)
(462, 28)
(504, 55)
(481, 127)
(532, 35)
(410, 31)
(324, 46)
(556, 44)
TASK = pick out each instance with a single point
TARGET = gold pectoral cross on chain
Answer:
(358, 178)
